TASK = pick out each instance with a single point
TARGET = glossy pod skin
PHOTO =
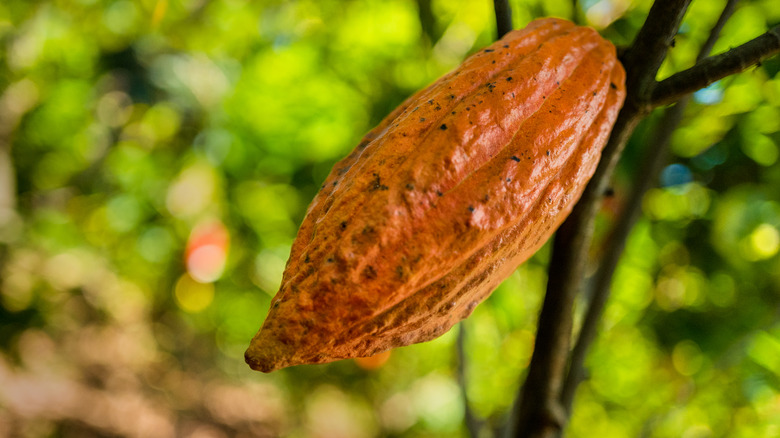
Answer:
(445, 198)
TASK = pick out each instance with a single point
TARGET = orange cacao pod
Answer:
(445, 198)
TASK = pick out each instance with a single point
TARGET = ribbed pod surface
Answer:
(445, 198)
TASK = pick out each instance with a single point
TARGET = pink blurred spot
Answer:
(207, 250)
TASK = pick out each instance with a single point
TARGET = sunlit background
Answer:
(157, 156)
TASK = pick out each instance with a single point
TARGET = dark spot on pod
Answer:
(363, 144)
(509, 180)
(486, 198)
(438, 107)
(613, 86)
(468, 109)
(513, 95)
(399, 271)
(335, 183)
(490, 86)
(422, 119)
(494, 61)
(276, 304)
(443, 127)
(439, 193)
(430, 101)
(307, 324)
(471, 208)
(306, 259)
(515, 158)
(330, 260)
(609, 191)
(506, 46)
(376, 184)
(547, 152)
(451, 96)
(488, 50)
(323, 186)
(594, 93)
(343, 170)
(343, 225)
(509, 79)
(453, 112)
(410, 186)
(415, 108)
(557, 83)
(369, 272)
(544, 97)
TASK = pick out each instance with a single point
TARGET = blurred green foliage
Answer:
(157, 156)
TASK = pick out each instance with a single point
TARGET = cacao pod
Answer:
(445, 198)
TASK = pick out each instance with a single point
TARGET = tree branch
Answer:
(656, 156)
(716, 67)
(613, 250)
(646, 54)
(503, 17)
(654, 160)
(540, 413)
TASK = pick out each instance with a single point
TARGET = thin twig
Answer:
(428, 21)
(473, 425)
(712, 38)
(656, 157)
(503, 17)
(716, 67)
(540, 413)
(575, 12)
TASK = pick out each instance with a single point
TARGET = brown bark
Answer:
(539, 410)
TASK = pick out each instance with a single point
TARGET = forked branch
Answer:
(716, 67)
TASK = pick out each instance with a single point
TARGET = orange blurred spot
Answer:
(373, 362)
(206, 252)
